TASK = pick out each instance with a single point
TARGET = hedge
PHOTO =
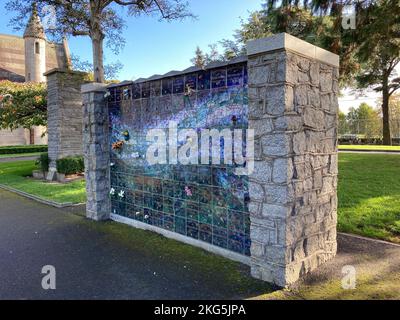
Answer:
(43, 162)
(70, 165)
(23, 149)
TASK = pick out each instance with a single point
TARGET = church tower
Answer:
(35, 49)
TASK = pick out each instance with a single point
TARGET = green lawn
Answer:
(369, 192)
(369, 195)
(19, 155)
(14, 174)
(370, 147)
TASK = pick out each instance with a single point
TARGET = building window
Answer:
(37, 48)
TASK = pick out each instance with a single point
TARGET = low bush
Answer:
(70, 165)
(23, 149)
(43, 162)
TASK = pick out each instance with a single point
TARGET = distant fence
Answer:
(359, 131)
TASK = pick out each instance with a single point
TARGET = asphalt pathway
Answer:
(91, 264)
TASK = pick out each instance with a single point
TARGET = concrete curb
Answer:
(41, 200)
(350, 235)
(369, 151)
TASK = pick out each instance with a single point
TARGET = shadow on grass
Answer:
(377, 274)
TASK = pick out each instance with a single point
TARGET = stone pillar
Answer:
(293, 108)
(96, 151)
(64, 109)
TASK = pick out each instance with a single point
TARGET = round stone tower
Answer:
(35, 49)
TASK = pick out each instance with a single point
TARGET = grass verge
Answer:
(16, 175)
(369, 195)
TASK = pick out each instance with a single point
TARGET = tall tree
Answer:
(343, 127)
(111, 70)
(368, 54)
(379, 54)
(98, 19)
(213, 54)
(364, 120)
(200, 59)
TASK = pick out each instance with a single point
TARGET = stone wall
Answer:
(293, 109)
(64, 115)
(19, 136)
(96, 152)
(38, 137)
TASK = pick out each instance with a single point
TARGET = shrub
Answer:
(70, 165)
(43, 162)
(22, 149)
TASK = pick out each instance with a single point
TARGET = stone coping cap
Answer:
(93, 87)
(62, 70)
(288, 42)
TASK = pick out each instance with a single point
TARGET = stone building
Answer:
(26, 59)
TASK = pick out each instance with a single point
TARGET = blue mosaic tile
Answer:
(204, 202)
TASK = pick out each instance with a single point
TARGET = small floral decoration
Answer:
(188, 191)
(121, 194)
(126, 135)
(189, 91)
(112, 191)
(117, 145)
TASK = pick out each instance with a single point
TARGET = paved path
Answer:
(13, 159)
(99, 261)
(93, 264)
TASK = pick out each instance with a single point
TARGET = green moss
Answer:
(234, 276)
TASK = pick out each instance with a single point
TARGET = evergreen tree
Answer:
(200, 59)
(369, 53)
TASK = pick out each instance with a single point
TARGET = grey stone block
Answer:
(293, 230)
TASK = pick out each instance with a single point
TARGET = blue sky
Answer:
(154, 47)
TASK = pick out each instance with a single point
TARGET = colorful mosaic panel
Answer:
(205, 202)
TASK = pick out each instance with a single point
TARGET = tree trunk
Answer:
(387, 137)
(98, 67)
(97, 36)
